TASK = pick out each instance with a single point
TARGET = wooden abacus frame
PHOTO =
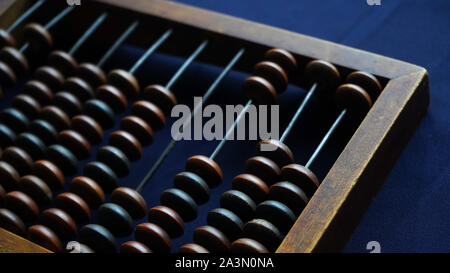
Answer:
(347, 190)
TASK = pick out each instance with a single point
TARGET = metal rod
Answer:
(88, 33)
(25, 15)
(58, 17)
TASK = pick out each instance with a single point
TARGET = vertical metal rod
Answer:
(88, 33)
(58, 17)
(25, 15)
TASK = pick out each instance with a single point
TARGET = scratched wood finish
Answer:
(344, 195)
(11, 243)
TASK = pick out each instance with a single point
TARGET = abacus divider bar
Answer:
(325, 139)
(88, 33)
(230, 130)
(298, 113)
(186, 64)
(117, 43)
(172, 143)
(25, 15)
(149, 51)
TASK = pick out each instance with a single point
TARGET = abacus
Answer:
(65, 154)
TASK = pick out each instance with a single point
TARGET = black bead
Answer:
(227, 222)
(194, 185)
(100, 111)
(115, 159)
(277, 213)
(116, 219)
(44, 130)
(98, 238)
(239, 203)
(63, 158)
(102, 174)
(14, 119)
(264, 232)
(181, 202)
(68, 103)
(32, 144)
(7, 136)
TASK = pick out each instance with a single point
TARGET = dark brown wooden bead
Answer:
(38, 91)
(275, 150)
(63, 158)
(6, 39)
(38, 37)
(168, 219)
(27, 105)
(239, 203)
(247, 245)
(50, 77)
(58, 118)
(251, 185)
(116, 219)
(36, 189)
(263, 168)
(102, 174)
(139, 128)
(15, 59)
(289, 194)
(89, 128)
(212, 239)
(19, 159)
(160, 96)
(113, 97)
(367, 81)
(92, 74)
(194, 185)
(153, 236)
(7, 75)
(49, 173)
(100, 111)
(131, 201)
(353, 98)
(283, 58)
(259, 90)
(74, 205)
(32, 145)
(7, 136)
(9, 177)
(277, 213)
(264, 232)
(127, 143)
(134, 247)
(76, 143)
(14, 119)
(44, 131)
(323, 73)
(192, 248)
(125, 81)
(150, 113)
(98, 238)
(301, 176)
(226, 221)
(63, 62)
(60, 222)
(2, 195)
(45, 237)
(273, 73)
(115, 159)
(67, 102)
(89, 190)
(79, 88)
(12, 223)
(22, 205)
(206, 168)
(181, 202)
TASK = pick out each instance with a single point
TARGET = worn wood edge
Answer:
(11, 243)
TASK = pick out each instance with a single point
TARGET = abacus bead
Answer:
(167, 219)
(32, 144)
(251, 185)
(115, 159)
(273, 73)
(353, 98)
(44, 237)
(14, 58)
(150, 113)
(11, 222)
(19, 159)
(59, 119)
(289, 194)
(212, 239)
(36, 189)
(301, 176)
(76, 143)
(226, 221)
(38, 90)
(38, 37)
(367, 81)
(277, 213)
(79, 88)
(9, 177)
(277, 151)
(125, 81)
(98, 238)
(194, 185)
(283, 58)
(22, 204)
(134, 247)
(6, 39)
(263, 168)
(2, 195)
(247, 245)
(74, 205)
(153, 236)
(43, 130)
(49, 173)
(88, 127)
(7, 75)
(103, 174)
(181, 202)
(113, 97)
(63, 62)
(137, 127)
(50, 77)
(127, 143)
(192, 248)
(115, 219)
(239, 203)
(160, 96)
(60, 222)
(68, 103)
(99, 111)
(92, 74)
(323, 73)
(206, 168)
(27, 105)
(63, 158)
(131, 200)
(14, 119)
(264, 232)
(259, 90)
(7, 136)
(89, 190)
